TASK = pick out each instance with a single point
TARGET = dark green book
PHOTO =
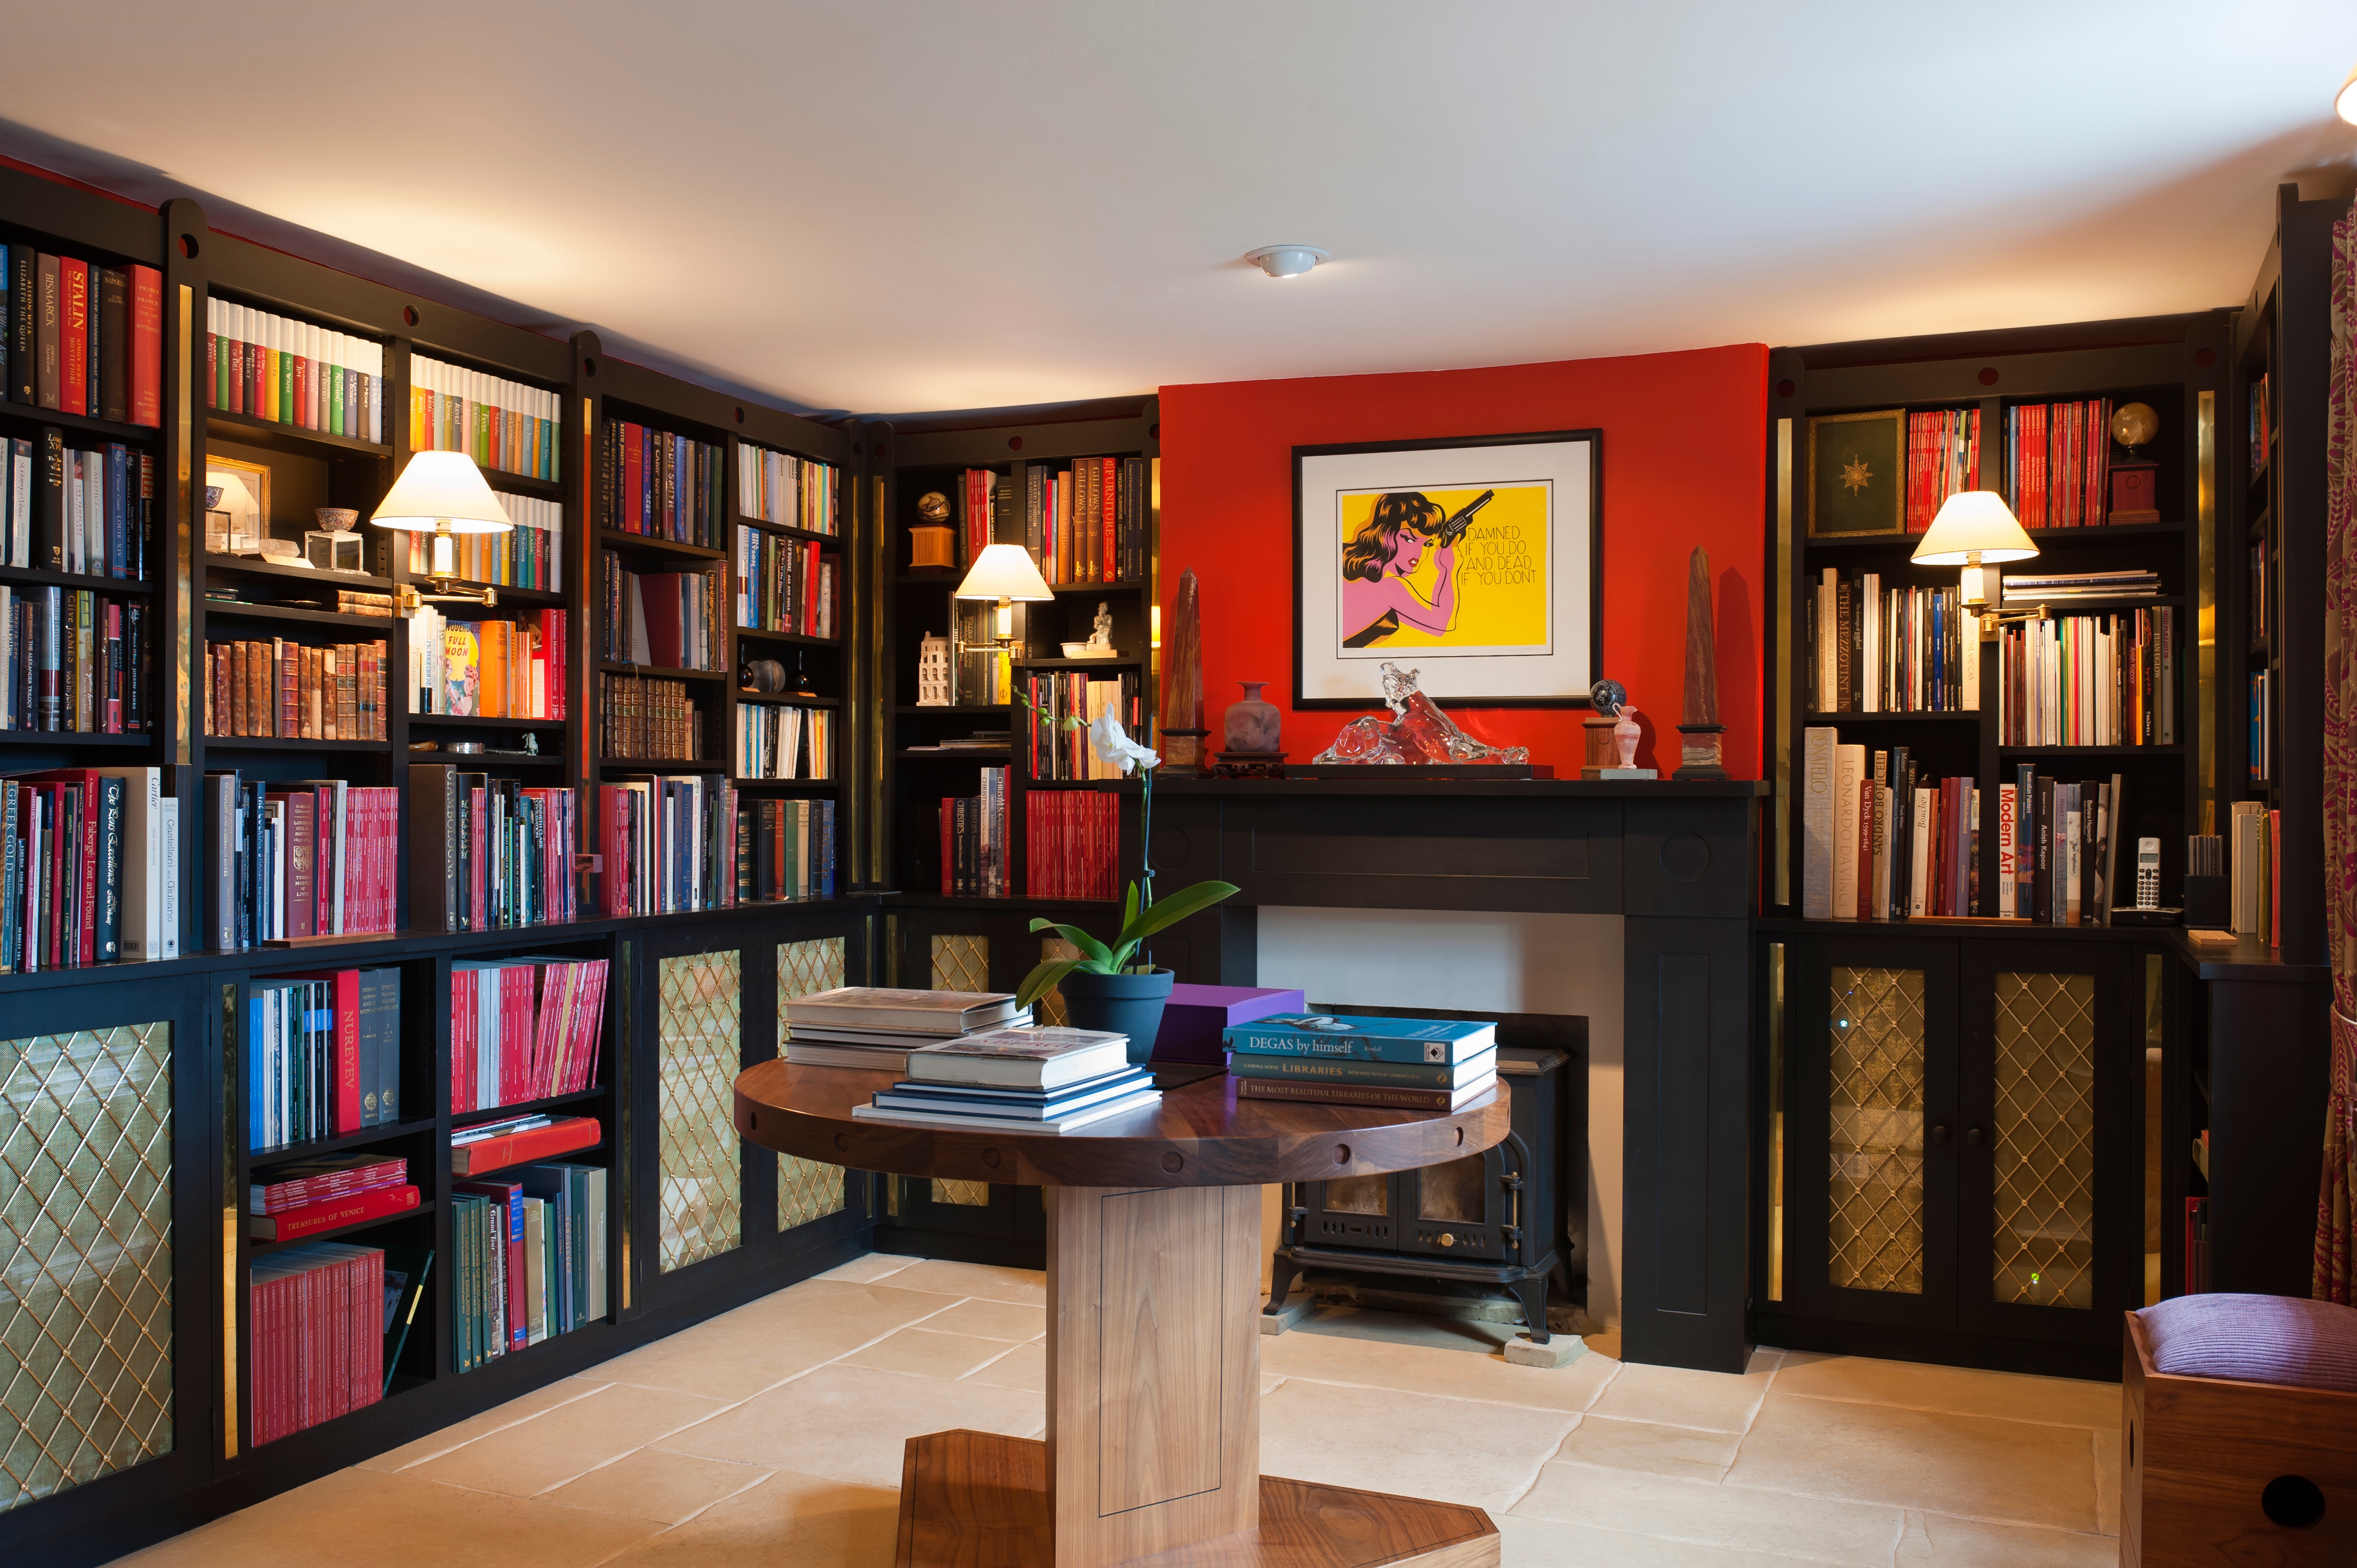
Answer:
(405, 1269)
(465, 1285)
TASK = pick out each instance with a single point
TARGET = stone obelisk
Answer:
(1182, 687)
(1698, 728)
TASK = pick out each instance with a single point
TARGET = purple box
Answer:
(1193, 1017)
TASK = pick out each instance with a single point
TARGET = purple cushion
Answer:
(2255, 1339)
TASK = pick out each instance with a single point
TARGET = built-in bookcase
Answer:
(918, 775)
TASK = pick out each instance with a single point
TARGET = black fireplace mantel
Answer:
(1676, 861)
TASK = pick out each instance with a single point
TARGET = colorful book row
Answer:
(322, 1055)
(529, 555)
(777, 740)
(488, 669)
(664, 486)
(294, 372)
(74, 661)
(260, 841)
(92, 868)
(293, 691)
(501, 851)
(82, 337)
(524, 1029)
(1072, 844)
(63, 509)
(785, 850)
(780, 487)
(501, 424)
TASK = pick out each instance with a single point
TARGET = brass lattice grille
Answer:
(1051, 1005)
(85, 1256)
(2045, 1147)
(698, 999)
(1874, 1208)
(807, 1191)
(962, 962)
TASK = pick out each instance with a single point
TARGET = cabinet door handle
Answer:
(1939, 1134)
(1974, 1137)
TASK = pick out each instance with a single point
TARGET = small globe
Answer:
(933, 507)
(2135, 423)
(1608, 697)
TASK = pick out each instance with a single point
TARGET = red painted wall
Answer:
(1684, 463)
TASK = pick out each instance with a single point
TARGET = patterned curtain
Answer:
(2336, 1220)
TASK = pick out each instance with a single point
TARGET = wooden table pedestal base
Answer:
(974, 1499)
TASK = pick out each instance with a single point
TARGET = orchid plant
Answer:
(1141, 916)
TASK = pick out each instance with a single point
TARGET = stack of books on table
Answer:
(873, 1030)
(1016, 1080)
(1404, 1063)
(327, 1193)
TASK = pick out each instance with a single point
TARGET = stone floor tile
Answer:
(1819, 1529)
(1419, 1368)
(993, 1320)
(2108, 1482)
(1962, 1390)
(1762, 1359)
(652, 1484)
(1550, 1543)
(921, 1352)
(1026, 1286)
(848, 1424)
(1935, 1541)
(552, 1447)
(1024, 1367)
(366, 1518)
(869, 1269)
(1964, 1465)
(1658, 1450)
(1678, 1396)
(523, 1407)
(737, 1354)
(790, 1520)
(1417, 1445)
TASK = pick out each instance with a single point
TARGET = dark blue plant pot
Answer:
(1119, 1004)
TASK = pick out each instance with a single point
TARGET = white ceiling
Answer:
(895, 206)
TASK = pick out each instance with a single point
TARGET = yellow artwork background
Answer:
(1502, 565)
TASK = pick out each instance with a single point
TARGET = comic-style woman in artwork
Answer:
(1377, 596)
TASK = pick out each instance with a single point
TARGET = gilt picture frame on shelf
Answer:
(1857, 477)
(245, 498)
(1476, 559)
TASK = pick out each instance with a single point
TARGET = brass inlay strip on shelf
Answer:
(1781, 763)
(230, 1133)
(183, 543)
(2205, 480)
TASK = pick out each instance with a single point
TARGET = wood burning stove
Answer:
(1513, 1217)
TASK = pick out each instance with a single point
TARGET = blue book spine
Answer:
(1258, 1040)
(257, 1079)
(118, 511)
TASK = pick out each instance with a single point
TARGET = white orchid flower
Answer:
(1115, 749)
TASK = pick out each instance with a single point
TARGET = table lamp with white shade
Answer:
(1007, 573)
(442, 493)
(1975, 530)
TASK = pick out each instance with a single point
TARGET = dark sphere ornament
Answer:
(1610, 697)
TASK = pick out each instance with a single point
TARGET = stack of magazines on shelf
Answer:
(873, 1028)
(1017, 1081)
(328, 1194)
(1403, 1064)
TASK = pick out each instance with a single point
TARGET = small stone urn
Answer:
(1252, 722)
(1626, 735)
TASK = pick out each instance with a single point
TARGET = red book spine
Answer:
(949, 864)
(347, 1050)
(73, 335)
(1107, 488)
(148, 348)
(517, 1148)
(634, 479)
(289, 1224)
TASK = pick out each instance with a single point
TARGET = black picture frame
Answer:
(1592, 605)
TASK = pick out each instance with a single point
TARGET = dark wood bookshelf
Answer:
(298, 615)
(81, 424)
(35, 577)
(258, 1249)
(246, 430)
(287, 1153)
(614, 539)
(460, 1119)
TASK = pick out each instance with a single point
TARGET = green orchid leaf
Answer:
(1090, 947)
(1044, 979)
(1175, 908)
(1129, 909)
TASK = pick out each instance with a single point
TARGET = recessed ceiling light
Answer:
(1287, 260)
(2345, 105)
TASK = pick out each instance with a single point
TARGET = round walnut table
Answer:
(1154, 1269)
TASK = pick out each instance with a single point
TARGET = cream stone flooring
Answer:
(771, 1436)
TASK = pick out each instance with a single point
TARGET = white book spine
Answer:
(1968, 639)
(1849, 769)
(168, 822)
(2068, 863)
(1919, 852)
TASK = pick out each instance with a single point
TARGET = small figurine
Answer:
(1101, 630)
(934, 672)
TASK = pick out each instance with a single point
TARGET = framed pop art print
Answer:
(1475, 561)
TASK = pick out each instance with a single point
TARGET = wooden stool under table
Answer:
(1154, 1266)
